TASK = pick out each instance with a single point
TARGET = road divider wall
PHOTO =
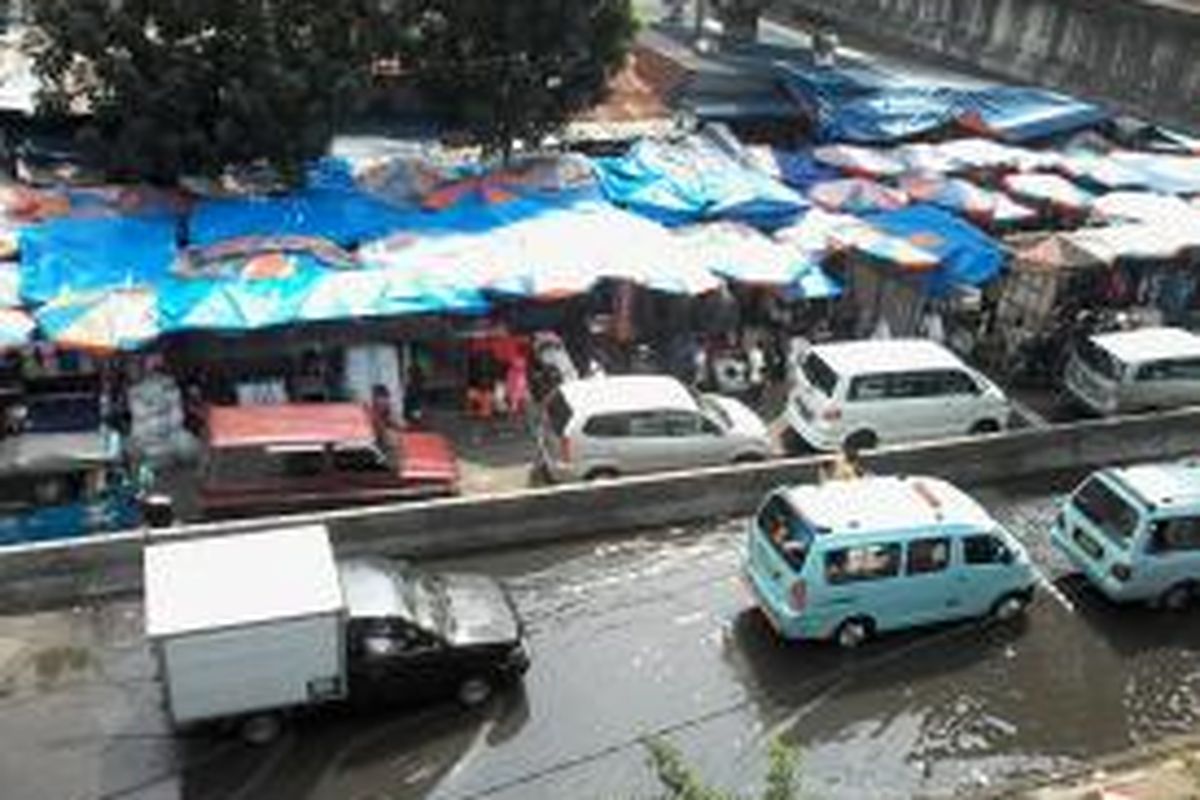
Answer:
(39, 575)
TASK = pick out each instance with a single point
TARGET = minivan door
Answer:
(1166, 383)
(932, 592)
(1172, 554)
(985, 575)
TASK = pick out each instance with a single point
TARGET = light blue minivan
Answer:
(847, 559)
(1134, 532)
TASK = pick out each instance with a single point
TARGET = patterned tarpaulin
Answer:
(1048, 190)
(1101, 170)
(857, 196)
(741, 253)
(896, 250)
(106, 320)
(1144, 207)
(813, 233)
(863, 162)
(1137, 241)
(953, 194)
(16, 328)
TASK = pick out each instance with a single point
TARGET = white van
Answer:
(860, 394)
(1134, 532)
(1133, 370)
(606, 426)
(847, 559)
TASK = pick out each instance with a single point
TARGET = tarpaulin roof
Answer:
(105, 320)
(796, 168)
(966, 255)
(857, 196)
(1048, 189)
(1022, 113)
(813, 234)
(865, 162)
(744, 254)
(1161, 172)
(690, 181)
(1144, 207)
(89, 254)
(1138, 241)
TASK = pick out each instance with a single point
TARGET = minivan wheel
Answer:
(1177, 598)
(851, 633)
(861, 440)
(261, 729)
(601, 475)
(474, 691)
(750, 458)
(985, 426)
(1009, 607)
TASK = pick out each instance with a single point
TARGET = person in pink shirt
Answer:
(517, 384)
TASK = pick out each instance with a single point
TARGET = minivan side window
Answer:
(1179, 533)
(648, 423)
(868, 387)
(1170, 370)
(865, 563)
(682, 423)
(928, 555)
(984, 549)
(957, 382)
(606, 426)
(779, 523)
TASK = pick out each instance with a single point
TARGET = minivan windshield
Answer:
(819, 374)
(786, 530)
(1107, 510)
(1098, 359)
(713, 410)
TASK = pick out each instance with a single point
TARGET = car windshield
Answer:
(713, 410)
(1107, 510)
(424, 601)
(819, 374)
(1099, 360)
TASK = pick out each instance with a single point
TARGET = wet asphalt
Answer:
(651, 634)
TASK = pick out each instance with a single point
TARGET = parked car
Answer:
(289, 628)
(856, 395)
(57, 485)
(309, 456)
(848, 559)
(606, 426)
(1134, 532)
(1111, 373)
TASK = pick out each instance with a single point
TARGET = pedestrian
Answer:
(756, 368)
(517, 384)
(414, 392)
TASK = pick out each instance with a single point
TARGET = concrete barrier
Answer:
(55, 573)
(1138, 56)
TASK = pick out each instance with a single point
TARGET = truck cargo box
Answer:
(246, 623)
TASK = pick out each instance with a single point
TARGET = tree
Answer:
(682, 782)
(518, 69)
(178, 87)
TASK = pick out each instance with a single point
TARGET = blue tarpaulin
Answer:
(692, 181)
(344, 217)
(1021, 113)
(80, 255)
(796, 168)
(966, 255)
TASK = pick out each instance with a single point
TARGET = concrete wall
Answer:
(46, 574)
(1138, 55)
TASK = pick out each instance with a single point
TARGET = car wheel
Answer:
(604, 474)
(851, 633)
(1177, 598)
(1009, 607)
(749, 458)
(985, 426)
(261, 729)
(474, 691)
(861, 440)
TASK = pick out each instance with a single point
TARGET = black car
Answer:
(419, 636)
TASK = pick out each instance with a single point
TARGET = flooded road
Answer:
(634, 637)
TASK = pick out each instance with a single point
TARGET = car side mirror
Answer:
(1007, 556)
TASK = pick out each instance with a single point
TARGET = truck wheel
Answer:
(1009, 607)
(474, 691)
(851, 633)
(1177, 598)
(261, 729)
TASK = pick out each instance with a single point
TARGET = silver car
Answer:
(606, 426)
(1112, 373)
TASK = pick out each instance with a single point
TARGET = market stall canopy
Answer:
(856, 196)
(1023, 113)
(1050, 251)
(953, 194)
(693, 180)
(1047, 189)
(92, 254)
(926, 158)
(10, 285)
(246, 302)
(815, 284)
(857, 161)
(1102, 170)
(16, 328)
(883, 247)
(1137, 241)
(814, 233)
(1163, 172)
(741, 253)
(1144, 207)
(796, 168)
(965, 255)
(105, 320)
(976, 154)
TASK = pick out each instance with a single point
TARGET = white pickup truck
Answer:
(247, 627)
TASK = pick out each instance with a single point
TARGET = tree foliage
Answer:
(182, 87)
(680, 781)
(517, 69)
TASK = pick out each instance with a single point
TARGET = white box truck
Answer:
(249, 625)
(246, 624)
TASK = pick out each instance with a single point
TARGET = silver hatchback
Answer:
(607, 426)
